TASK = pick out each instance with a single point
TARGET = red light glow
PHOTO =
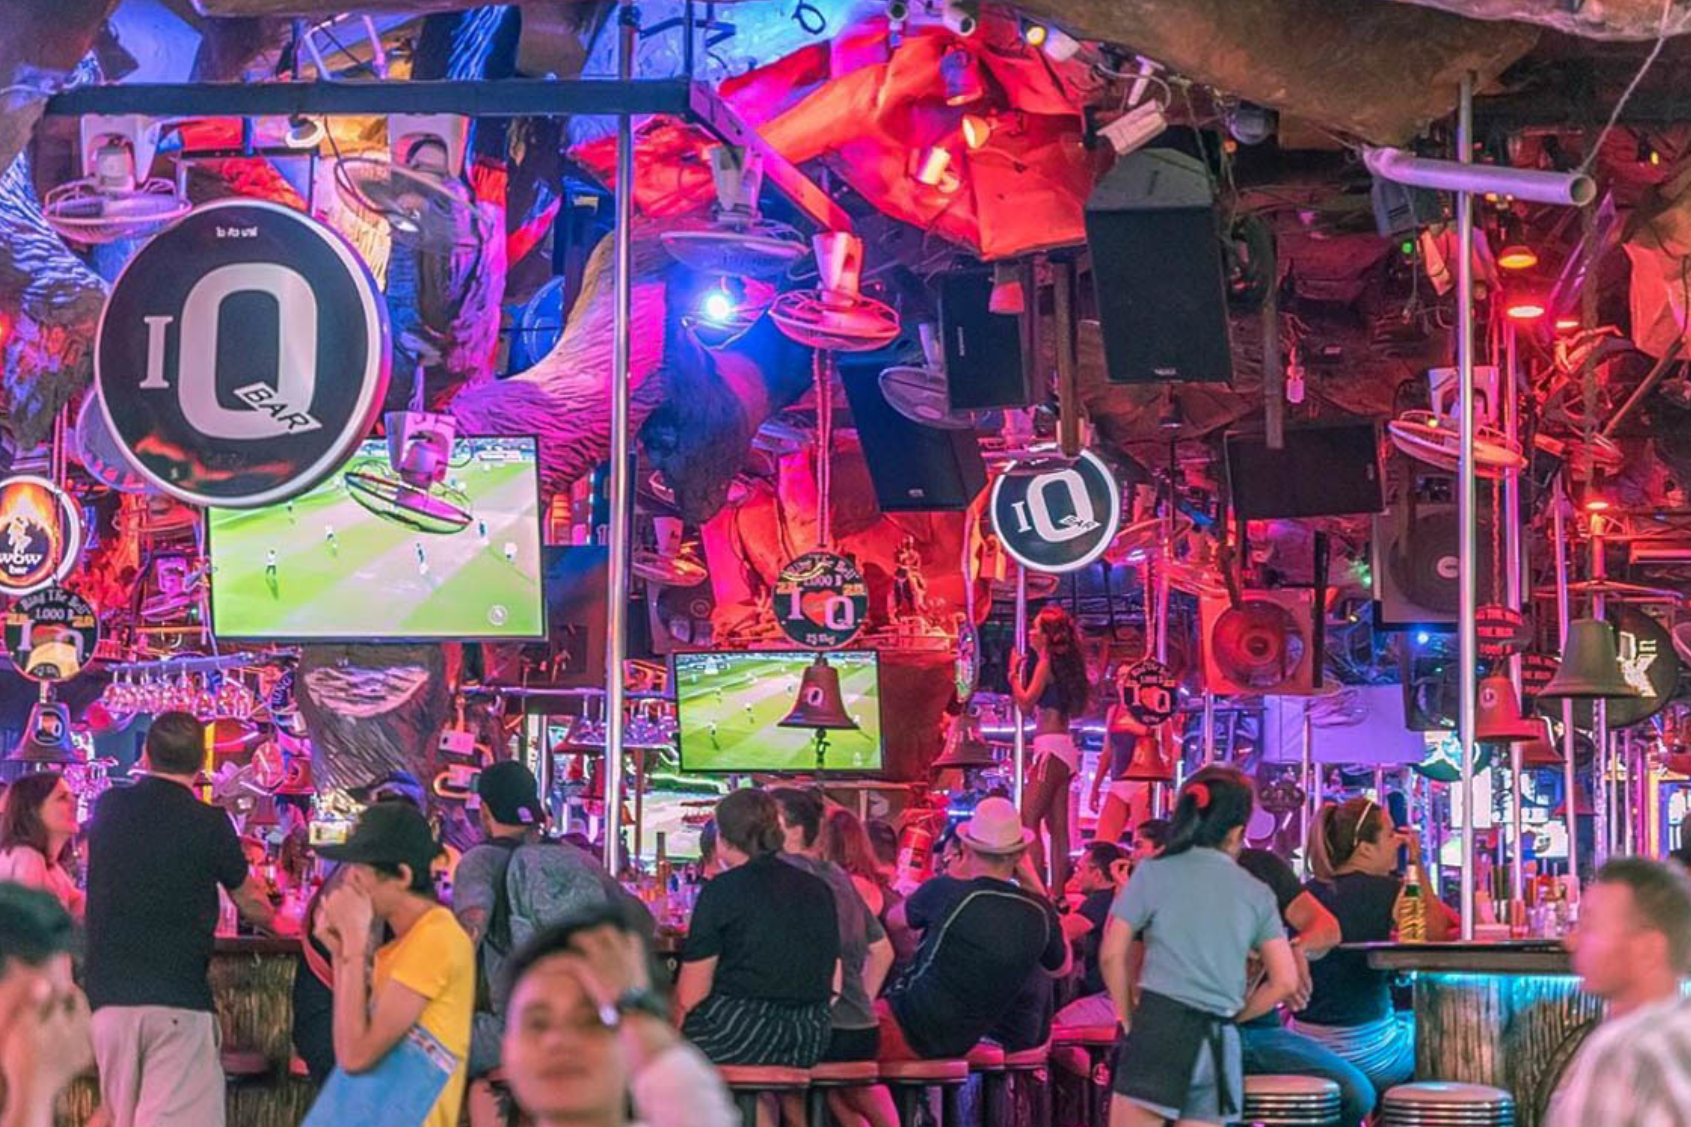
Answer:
(1517, 257)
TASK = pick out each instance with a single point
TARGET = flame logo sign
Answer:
(32, 533)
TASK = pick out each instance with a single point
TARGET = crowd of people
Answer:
(535, 987)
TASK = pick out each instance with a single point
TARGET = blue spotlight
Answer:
(1422, 637)
(718, 307)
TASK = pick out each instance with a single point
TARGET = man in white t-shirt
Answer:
(1632, 948)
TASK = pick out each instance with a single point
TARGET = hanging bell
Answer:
(819, 704)
(1542, 751)
(965, 747)
(1497, 719)
(47, 738)
(1591, 664)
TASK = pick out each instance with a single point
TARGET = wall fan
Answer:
(1434, 436)
(1265, 645)
(919, 392)
(418, 189)
(736, 239)
(836, 316)
(115, 199)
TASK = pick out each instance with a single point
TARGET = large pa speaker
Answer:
(1319, 471)
(1157, 270)
(983, 349)
(915, 468)
(1414, 566)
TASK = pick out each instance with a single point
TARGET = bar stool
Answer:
(1024, 1065)
(1096, 1041)
(749, 1081)
(1291, 1101)
(1441, 1103)
(835, 1075)
(244, 1064)
(911, 1079)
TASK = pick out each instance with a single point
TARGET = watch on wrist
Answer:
(633, 1001)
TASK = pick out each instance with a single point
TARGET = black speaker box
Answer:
(1157, 270)
(983, 350)
(915, 468)
(1320, 471)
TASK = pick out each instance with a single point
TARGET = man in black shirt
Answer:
(156, 857)
(982, 936)
(1269, 1047)
(1097, 873)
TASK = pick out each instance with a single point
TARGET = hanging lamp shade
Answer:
(819, 704)
(1498, 719)
(1591, 664)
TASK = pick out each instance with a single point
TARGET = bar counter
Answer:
(252, 980)
(1505, 1013)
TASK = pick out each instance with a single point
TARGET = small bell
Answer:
(1542, 751)
(1591, 664)
(48, 736)
(964, 746)
(1498, 719)
(819, 704)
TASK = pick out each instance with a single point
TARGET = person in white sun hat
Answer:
(986, 926)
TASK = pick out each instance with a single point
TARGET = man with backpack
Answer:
(507, 889)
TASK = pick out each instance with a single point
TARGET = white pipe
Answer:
(1019, 746)
(1570, 780)
(1466, 492)
(1510, 515)
(1573, 189)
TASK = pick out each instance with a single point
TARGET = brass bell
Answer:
(47, 738)
(1591, 664)
(1497, 717)
(819, 704)
(965, 748)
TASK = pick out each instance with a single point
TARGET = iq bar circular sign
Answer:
(242, 355)
(1056, 515)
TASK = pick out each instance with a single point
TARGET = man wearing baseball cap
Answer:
(421, 989)
(986, 928)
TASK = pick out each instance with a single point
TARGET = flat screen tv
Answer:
(362, 556)
(728, 706)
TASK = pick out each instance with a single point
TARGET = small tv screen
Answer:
(365, 555)
(729, 706)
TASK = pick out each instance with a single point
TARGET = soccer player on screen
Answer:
(270, 579)
(422, 561)
(510, 551)
(329, 538)
(481, 532)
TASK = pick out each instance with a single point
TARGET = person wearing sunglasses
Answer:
(1353, 851)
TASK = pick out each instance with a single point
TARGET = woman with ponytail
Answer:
(1200, 917)
(762, 960)
(1353, 849)
(1055, 693)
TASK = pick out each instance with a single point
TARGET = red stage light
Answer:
(1524, 307)
(1567, 324)
(977, 130)
(1517, 256)
(962, 76)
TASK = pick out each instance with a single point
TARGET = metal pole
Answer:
(616, 594)
(822, 366)
(1600, 793)
(1467, 643)
(1510, 516)
(1570, 776)
(1306, 770)
(1209, 727)
(1019, 745)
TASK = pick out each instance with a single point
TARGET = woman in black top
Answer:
(1353, 851)
(761, 965)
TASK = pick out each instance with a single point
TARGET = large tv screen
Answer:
(365, 556)
(728, 706)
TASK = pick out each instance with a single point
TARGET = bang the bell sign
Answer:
(821, 600)
(242, 355)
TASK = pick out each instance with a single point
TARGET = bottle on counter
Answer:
(1410, 913)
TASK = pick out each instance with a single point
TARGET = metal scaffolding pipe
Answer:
(1510, 518)
(1573, 189)
(1570, 776)
(1601, 797)
(616, 593)
(1466, 492)
(1019, 740)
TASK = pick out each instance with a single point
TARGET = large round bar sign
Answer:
(40, 534)
(821, 600)
(1056, 515)
(242, 355)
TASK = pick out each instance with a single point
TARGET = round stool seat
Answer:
(925, 1071)
(1446, 1104)
(763, 1077)
(1083, 1035)
(244, 1062)
(1284, 1100)
(846, 1073)
(985, 1057)
(1023, 1060)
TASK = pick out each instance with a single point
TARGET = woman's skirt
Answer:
(751, 1031)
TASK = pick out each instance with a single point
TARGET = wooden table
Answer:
(1507, 1013)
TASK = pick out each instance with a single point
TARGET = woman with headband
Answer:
(1201, 917)
(1353, 850)
(1055, 693)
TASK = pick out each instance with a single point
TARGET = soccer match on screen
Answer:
(366, 555)
(729, 706)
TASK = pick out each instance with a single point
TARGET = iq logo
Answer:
(1056, 515)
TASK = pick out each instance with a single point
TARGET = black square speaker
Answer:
(1321, 471)
(983, 349)
(915, 468)
(1157, 270)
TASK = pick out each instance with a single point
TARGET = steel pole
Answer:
(1019, 745)
(1570, 776)
(1306, 768)
(616, 588)
(1510, 517)
(1209, 727)
(1466, 492)
(1603, 843)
